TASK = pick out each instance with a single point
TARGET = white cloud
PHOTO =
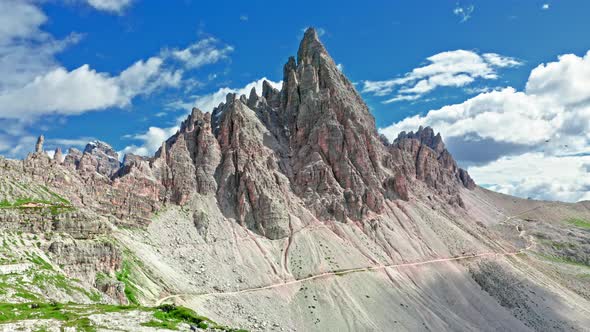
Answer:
(20, 19)
(447, 69)
(114, 6)
(505, 115)
(545, 6)
(497, 60)
(402, 98)
(464, 12)
(62, 92)
(566, 80)
(151, 140)
(73, 92)
(34, 84)
(244, 18)
(538, 176)
(51, 154)
(144, 77)
(478, 90)
(550, 119)
(203, 52)
(25, 50)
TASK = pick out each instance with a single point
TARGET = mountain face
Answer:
(286, 210)
(313, 146)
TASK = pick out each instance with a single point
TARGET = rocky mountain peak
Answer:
(39, 145)
(426, 136)
(131, 158)
(58, 155)
(434, 164)
(72, 158)
(268, 91)
(313, 143)
(252, 97)
(100, 147)
(310, 47)
(100, 157)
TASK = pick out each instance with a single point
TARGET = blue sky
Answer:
(487, 74)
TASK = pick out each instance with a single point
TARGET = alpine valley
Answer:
(283, 211)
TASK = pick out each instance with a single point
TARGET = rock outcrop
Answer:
(72, 159)
(39, 144)
(101, 158)
(252, 187)
(186, 162)
(434, 164)
(58, 155)
(336, 153)
(85, 259)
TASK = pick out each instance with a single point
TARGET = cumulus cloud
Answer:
(545, 6)
(114, 6)
(499, 61)
(447, 69)
(144, 77)
(505, 116)
(34, 83)
(59, 91)
(550, 119)
(26, 51)
(20, 19)
(538, 176)
(567, 79)
(73, 92)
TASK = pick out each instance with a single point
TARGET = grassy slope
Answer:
(76, 315)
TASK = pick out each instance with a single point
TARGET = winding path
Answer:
(340, 273)
(356, 270)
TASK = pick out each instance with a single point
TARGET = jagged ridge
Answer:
(313, 145)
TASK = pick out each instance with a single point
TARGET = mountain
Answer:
(286, 210)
